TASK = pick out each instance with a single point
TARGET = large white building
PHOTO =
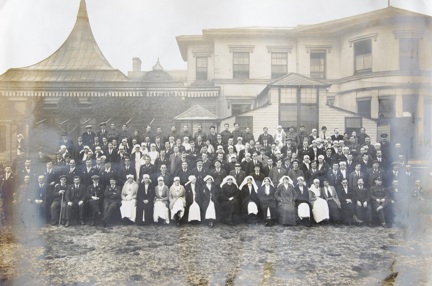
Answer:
(371, 70)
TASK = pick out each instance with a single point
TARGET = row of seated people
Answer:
(283, 202)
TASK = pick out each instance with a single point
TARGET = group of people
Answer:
(230, 177)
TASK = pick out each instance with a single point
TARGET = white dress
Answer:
(252, 207)
(320, 208)
(128, 207)
(194, 209)
(178, 204)
(160, 210)
(211, 210)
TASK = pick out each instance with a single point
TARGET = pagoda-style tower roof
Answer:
(79, 59)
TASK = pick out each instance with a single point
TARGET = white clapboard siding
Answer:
(332, 118)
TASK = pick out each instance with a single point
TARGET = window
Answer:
(353, 124)
(239, 108)
(240, 65)
(279, 65)
(2, 137)
(298, 106)
(408, 54)
(244, 121)
(201, 68)
(318, 64)
(410, 103)
(363, 56)
(364, 108)
(386, 108)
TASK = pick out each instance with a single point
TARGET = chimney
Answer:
(136, 64)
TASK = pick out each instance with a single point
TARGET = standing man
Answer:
(88, 136)
(7, 188)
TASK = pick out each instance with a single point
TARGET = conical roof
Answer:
(78, 59)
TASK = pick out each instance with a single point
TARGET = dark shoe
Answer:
(54, 223)
(383, 224)
(92, 222)
(82, 222)
(104, 223)
(211, 224)
(67, 224)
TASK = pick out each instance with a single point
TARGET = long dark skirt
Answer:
(287, 213)
(334, 211)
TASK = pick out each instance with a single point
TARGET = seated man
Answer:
(75, 198)
(362, 204)
(379, 200)
(58, 205)
(94, 197)
(112, 198)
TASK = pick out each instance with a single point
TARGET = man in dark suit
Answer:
(94, 196)
(354, 176)
(346, 198)
(257, 175)
(168, 180)
(334, 175)
(127, 169)
(238, 174)
(28, 170)
(336, 135)
(88, 136)
(304, 150)
(111, 154)
(174, 160)
(312, 173)
(247, 165)
(276, 173)
(75, 199)
(218, 173)
(200, 173)
(58, 201)
(184, 173)
(107, 173)
(393, 174)
(87, 172)
(71, 171)
(147, 167)
(103, 133)
(372, 173)
(40, 200)
(362, 202)
(7, 189)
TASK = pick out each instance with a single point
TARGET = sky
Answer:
(31, 30)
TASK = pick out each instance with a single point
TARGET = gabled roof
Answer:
(295, 79)
(196, 112)
(78, 59)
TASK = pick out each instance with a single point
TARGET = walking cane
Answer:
(61, 209)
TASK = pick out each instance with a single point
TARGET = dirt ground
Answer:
(224, 255)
